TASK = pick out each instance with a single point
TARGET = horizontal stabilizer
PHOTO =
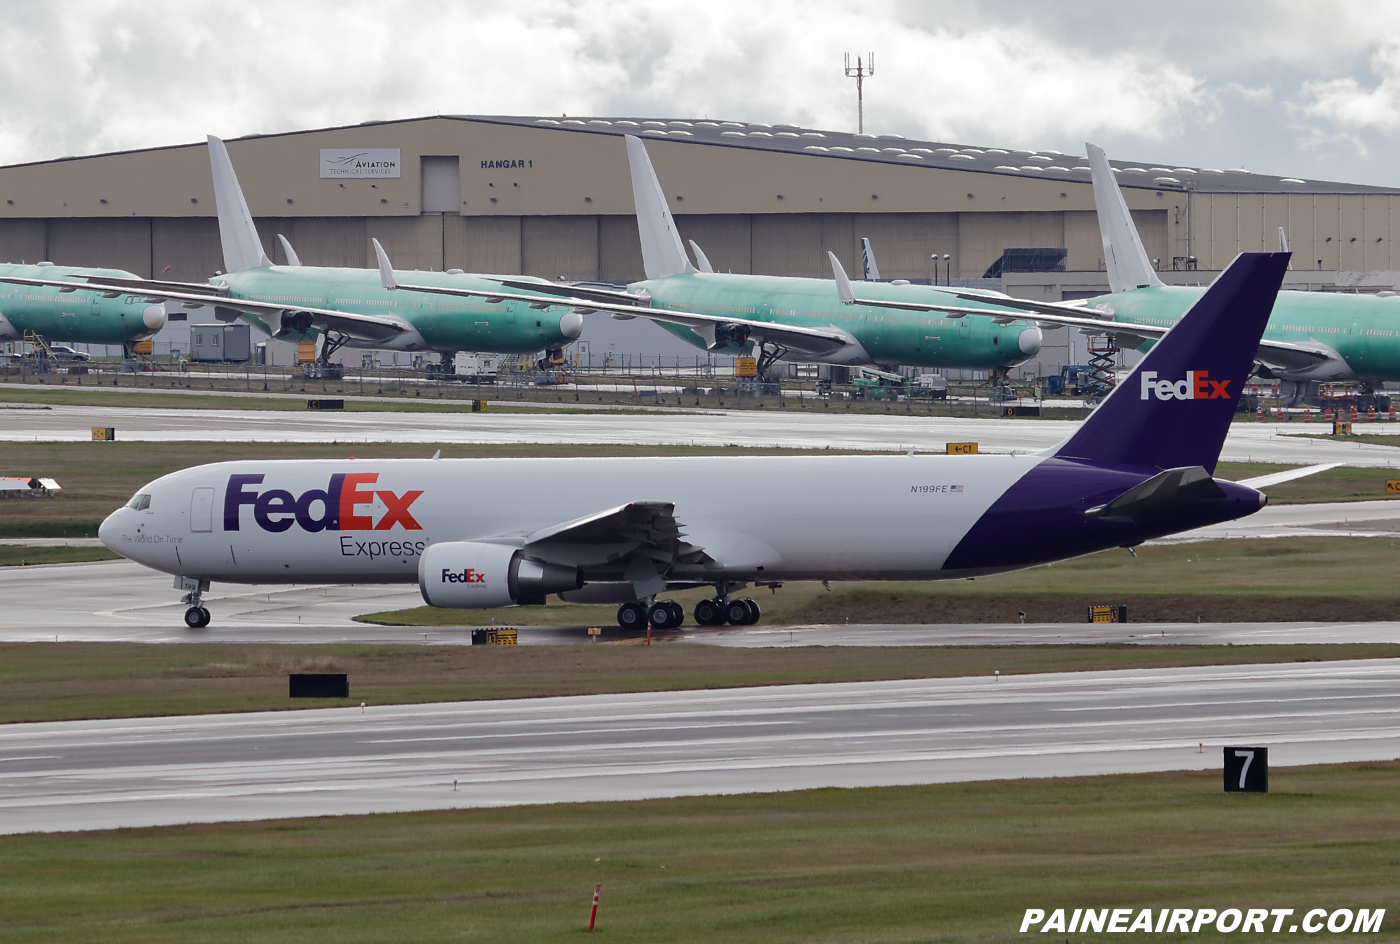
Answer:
(1288, 475)
(1164, 490)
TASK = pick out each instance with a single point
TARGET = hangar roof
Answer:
(894, 148)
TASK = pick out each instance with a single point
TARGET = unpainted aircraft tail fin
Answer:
(1175, 408)
(242, 247)
(867, 261)
(663, 253)
(1282, 240)
(1123, 254)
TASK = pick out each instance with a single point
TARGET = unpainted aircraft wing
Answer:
(1288, 475)
(1282, 355)
(299, 318)
(793, 337)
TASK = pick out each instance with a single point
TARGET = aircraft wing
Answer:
(715, 329)
(1281, 355)
(649, 523)
(287, 319)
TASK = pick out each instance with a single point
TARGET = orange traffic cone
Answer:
(1354, 415)
(1327, 414)
(1307, 414)
(1280, 413)
(1392, 411)
(1371, 413)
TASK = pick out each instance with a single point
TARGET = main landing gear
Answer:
(668, 614)
(197, 617)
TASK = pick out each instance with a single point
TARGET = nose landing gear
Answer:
(196, 617)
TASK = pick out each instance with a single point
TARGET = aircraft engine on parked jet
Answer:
(731, 334)
(471, 575)
(293, 322)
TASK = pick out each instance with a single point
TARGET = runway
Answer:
(118, 601)
(159, 771)
(810, 429)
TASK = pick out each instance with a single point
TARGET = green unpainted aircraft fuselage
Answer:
(437, 323)
(913, 339)
(1364, 330)
(78, 316)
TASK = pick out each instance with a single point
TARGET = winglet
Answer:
(242, 246)
(700, 259)
(1282, 240)
(843, 284)
(1123, 254)
(386, 271)
(663, 253)
(291, 253)
(867, 258)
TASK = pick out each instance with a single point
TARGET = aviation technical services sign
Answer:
(360, 162)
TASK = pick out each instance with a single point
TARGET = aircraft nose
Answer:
(571, 324)
(107, 532)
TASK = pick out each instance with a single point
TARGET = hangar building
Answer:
(552, 197)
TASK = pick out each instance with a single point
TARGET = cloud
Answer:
(1346, 103)
(102, 75)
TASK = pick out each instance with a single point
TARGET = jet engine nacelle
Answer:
(730, 335)
(292, 322)
(470, 575)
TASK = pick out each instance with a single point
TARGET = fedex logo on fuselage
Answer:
(333, 508)
(1196, 386)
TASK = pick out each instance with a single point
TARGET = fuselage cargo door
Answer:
(202, 510)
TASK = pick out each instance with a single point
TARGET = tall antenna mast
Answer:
(860, 73)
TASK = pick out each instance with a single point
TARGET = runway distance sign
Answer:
(1246, 770)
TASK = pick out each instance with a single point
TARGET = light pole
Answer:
(948, 268)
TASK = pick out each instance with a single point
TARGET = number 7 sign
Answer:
(1246, 770)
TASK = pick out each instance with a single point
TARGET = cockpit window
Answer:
(139, 502)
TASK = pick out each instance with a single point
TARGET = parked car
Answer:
(64, 353)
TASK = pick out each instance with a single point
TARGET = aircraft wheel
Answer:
(632, 616)
(663, 615)
(709, 613)
(197, 617)
(754, 611)
(736, 613)
(678, 610)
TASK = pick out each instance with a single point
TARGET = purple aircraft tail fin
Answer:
(1175, 408)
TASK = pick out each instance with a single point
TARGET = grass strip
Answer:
(18, 555)
(947, 863)
(66, 681)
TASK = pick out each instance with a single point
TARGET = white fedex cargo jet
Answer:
(503, 532)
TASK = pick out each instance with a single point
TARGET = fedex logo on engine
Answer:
(467, 576)
(333, 508)
(1196, 386)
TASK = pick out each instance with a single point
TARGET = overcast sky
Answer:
(1308, 88)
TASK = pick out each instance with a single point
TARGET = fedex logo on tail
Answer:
(1196, 386)
(333, 508)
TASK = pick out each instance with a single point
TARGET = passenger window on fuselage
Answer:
(139, 502)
